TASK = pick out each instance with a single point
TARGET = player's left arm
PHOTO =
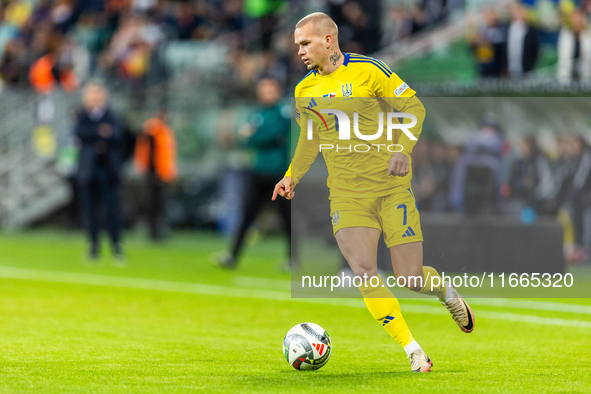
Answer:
(400, 161)
(401, 98)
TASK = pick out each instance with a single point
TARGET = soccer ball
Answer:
(307, 346)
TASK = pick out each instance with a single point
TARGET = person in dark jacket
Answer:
(268, 134)
(522, 44)
(100, 143)
(489, 45)
(532, 179)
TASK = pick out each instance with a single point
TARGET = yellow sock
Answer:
(429, 288)
(384, 307)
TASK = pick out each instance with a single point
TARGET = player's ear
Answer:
(327, 41)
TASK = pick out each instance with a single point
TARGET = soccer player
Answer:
(370, 193)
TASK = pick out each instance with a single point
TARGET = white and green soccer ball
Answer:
(307, 346)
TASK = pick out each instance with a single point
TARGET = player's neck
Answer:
(335, 60)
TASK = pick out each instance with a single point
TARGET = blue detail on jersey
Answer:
(336, 122)
(403, 206)
(346, 61)
(357, 56)
(307, 75)
(387, 320)
(409, 232)
(413, 196)
(312, 103)
(375, 62)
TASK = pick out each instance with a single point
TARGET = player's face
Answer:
(312, 49)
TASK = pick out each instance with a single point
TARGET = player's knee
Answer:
(411, 282)
(362, 270)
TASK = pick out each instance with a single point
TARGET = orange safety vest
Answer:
(42, 79)
(165, 150)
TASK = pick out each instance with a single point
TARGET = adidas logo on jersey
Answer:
(409, 232)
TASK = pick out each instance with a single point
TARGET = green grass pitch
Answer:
(171, 322)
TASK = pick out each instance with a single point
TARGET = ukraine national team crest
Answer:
(347, 90)
(335, 218)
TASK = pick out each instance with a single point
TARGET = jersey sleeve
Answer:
(307, 147)
(401, 98)
(389, 86)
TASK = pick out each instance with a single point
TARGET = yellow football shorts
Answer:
(396, 215)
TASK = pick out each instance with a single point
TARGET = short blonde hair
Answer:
(323, 24)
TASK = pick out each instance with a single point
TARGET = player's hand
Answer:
(284, 188)
(398, 165)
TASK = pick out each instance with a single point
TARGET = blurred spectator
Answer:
(265, 14)
(155, 155)
(42, 11)
(17, 12)
(564, 168)
(574, 50)
(432, 164)
(435, 10)
(232, 18)
(357, 32)
(423, 180)
(476, 178)
(522, 43)
(419, 18)
(272, 68)
(129, 52)
(62, 15)
(143, 6)
(578, 200)
(268, 134)
(53, 68)
(443, 158)
(100, 153)
(13, 63)
(489, 45)
(399, 25)
(532, 180)
(187, 19)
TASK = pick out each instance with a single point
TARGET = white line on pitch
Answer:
(181, 287)
(250, 281)
(282, 284)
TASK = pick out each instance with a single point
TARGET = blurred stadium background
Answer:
(154, 325)
(201, 60)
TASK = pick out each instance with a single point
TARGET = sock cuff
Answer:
(411, 347)
(367, 289)
(428, 274)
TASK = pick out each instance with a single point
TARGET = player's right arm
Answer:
(305, 154)
(284, 188)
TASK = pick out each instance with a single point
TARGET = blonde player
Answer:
(370, 190)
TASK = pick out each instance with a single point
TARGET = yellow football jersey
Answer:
(362, 88)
